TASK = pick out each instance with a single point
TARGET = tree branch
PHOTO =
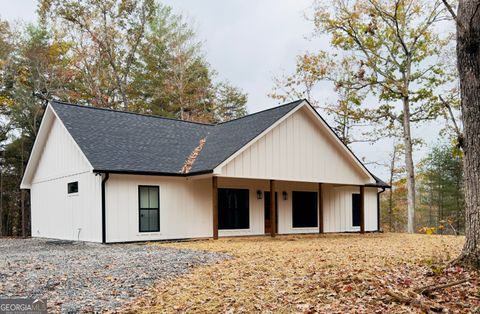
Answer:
(473, 15)
(455, 125)
(429, 289)
(447, 105)
(410, 301)
(397, 27)
(452, 13)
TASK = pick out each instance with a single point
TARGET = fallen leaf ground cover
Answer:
(346, 273)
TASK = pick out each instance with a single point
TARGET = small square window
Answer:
(72, 187)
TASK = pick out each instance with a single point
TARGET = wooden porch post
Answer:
(215, 207)
(362, 209)
(273, 213)
(320, 209)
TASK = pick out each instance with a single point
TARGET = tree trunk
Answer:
(468, 55)
(390, 199)
(407, 138)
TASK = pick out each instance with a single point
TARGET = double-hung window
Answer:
(149, 208)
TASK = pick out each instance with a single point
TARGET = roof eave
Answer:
(154, 173)
(378, 185)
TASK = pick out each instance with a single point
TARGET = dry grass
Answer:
(313, 273)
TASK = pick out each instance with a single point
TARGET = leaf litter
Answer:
(334, 273)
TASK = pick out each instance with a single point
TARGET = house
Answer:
(109, 176)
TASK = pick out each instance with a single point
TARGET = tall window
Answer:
(304, 209)
(148, 199)
(233, 209)
(356, 210)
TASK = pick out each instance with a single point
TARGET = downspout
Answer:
(104, 231)
(378, 208)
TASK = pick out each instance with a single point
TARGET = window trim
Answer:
(68, 188)
(140, 209)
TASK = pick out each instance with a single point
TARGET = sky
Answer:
(250, 42)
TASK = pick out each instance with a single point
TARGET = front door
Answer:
(268, 222)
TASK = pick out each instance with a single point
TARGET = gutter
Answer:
(153, 173)
(104, 231)
(378, 208)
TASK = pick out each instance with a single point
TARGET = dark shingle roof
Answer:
(228, 137)
(119, 141)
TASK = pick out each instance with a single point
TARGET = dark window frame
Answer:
(220, 220)
(316, 210)
(72, 184)
(149, 209)
(358, 215)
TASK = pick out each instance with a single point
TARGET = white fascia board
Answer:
(340, 143)
(40, 141)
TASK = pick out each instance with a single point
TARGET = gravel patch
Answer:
(78, 277)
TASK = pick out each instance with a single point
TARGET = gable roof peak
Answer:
(295, 102)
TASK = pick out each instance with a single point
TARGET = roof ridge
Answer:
(262, 111)
(173, 119)
(130, 112)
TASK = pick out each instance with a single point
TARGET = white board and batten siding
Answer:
(337, 202)
(55, 213)
(299, 149)
(185, 208)
(337, 208)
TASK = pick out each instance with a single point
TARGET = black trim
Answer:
(140, 208)
(153, 173)
(380, 186)
(227, 210)
(300, 197)
(378, 208)
(104, 231)
(356, 197)
(72, 187)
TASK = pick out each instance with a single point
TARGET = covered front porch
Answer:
(243, 207)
